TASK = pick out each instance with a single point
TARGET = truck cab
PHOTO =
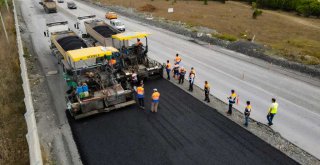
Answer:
(56, 27)
(80, 24)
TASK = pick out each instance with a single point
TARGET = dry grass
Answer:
(272, 28)
(13, 144)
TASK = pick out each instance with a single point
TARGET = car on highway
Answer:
(71, 5)
(111, 15)
(117, 24)
(60, 1)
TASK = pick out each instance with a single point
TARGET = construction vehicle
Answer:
(84, 64)
(62, 39)
(49, 6)
(134, 57)
(96, 29)
(93, 86)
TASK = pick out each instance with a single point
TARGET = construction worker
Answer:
(272, 111)
(247, 112)
(232, 99)
(168, 69)
(139, 43)
(191, 81)
(206, 91)
(155, 100)
(140, 96)
(177, 60)
(192, 71)
(176, 71)
(112, 62)
(182, 74)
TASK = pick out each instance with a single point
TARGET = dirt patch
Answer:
(147, 8)
(272, 28)
(13, 142)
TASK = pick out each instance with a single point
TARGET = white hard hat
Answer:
(155, 89)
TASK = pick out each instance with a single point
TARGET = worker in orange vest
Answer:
(139, 43)
(140, 96)
(232, 100)
(112, 62)
(177, 60)
(168, 69)
(155, 100)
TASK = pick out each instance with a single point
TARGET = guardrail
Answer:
(32, 135)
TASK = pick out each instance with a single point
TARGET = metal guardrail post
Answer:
(32, 135)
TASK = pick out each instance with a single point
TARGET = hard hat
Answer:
(155, 89)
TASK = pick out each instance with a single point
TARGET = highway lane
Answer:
(298, 119)
(184, 131)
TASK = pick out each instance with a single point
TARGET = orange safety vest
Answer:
(139, 43)
(113, 61)
(178, 59)
(206, 86)
(168, 66)
(140, 91)
(155, 96)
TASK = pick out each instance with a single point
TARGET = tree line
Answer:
(302, 7)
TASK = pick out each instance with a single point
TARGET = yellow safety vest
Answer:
(155, 96)
(140, 90)
(274, 108)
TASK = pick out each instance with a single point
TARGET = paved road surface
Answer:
(184, 131)
(298, 119)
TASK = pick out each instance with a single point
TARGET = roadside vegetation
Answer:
(13, 143)
(283, 33)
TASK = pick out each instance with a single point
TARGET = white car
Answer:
(117, 24)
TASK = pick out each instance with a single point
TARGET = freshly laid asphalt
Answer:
(184, 131)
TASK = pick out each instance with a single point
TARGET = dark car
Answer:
(71, 5)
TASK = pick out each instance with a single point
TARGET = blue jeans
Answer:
(246, 120)
(168, 73)
(270, 118)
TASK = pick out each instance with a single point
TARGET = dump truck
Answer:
(96, 29)
(62, 39)
(93, 86)
(49, 6)
(134, 57)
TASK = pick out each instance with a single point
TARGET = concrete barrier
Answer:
(32, 135)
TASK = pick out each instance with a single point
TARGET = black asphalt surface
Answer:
(184, 131)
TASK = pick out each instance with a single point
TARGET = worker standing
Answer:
(140, 96)
(139, 43)
(182, 74)
(206, 91)
(247, 112)
(168, 69)
(272, 111)
(191, 81)
(176, 71)
(232, 99)
(177, 60)
(192, 76)
(155, 100)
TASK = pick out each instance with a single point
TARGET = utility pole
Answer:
(4, 27)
